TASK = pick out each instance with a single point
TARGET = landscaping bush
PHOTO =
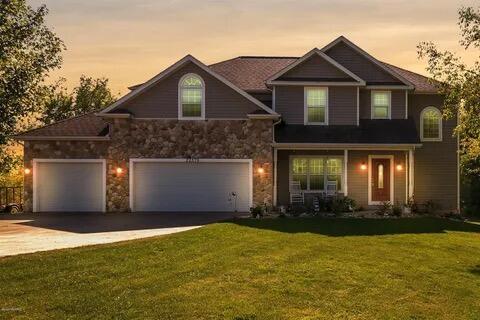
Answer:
(257, 211)
(341, 205)
(385, 209)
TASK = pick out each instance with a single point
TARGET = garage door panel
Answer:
(180, 186)
(69, 186)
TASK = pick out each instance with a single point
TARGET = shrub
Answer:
(385, 209)
(257, 211)
(431, 207)
(397, 210)
(344, 204)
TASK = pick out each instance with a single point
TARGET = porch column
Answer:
(275, 176)
(411, 171)
(345, 172)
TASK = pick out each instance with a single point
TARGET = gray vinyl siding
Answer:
(398, 104)
(315, 67)
(435, 162)
(342, 104)
(357, 179)
(161, 101)
(358, 64)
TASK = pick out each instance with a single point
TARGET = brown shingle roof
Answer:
(249, 73)
(87, 125)
(422, 84)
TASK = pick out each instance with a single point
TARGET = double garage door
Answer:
(155, 185)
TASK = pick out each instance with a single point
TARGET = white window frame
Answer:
(440, 124)
(180, 105)
(324, 158)
(305, 107)
(372, 106)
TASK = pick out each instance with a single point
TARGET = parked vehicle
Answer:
(11, 199)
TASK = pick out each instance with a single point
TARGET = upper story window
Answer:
(191, 97)
(431, 124)
(316, 105)
(381, 104)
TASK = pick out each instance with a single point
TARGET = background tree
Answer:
(28, 51)
(90, 95)
(460, 85)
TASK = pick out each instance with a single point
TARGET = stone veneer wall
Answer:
(132, 138)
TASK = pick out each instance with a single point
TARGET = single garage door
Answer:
(69, 185)
(159, 185)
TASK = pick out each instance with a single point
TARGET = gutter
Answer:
(62, 138)
(341, 146)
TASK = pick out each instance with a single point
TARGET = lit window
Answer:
(191, 97)
(380, 176)
(431, 124)
(316, 105)
(314, 173)
(381, 104)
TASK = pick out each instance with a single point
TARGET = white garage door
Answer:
(71, 186)
(181, 186)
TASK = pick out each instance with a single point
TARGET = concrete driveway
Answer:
(26, 233)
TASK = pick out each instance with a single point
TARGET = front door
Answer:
(380, 183)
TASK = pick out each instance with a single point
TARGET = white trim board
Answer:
(132, 161)
(369, 57)
(172, 68)
(392, 178)
(359, 81)
(34, 177)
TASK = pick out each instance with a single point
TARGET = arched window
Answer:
(191, 97)
(431, 124)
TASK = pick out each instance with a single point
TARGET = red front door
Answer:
(380, 180)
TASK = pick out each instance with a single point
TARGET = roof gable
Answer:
(315, 66)
(360, 62)
(164, 74)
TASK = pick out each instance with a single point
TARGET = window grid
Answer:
(381, 104)
(316, 102)
(313, 173)
(191, 95)
(431, 124)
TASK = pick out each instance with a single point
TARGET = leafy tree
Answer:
(28, 51)
(90, 95)
(460, 85)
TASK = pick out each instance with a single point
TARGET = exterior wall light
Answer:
(26, 171)
(260, 170)
(399, 167)
(363, 166)
(118, 171)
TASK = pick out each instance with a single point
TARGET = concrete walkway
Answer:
(24, 233)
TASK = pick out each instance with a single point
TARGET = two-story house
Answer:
(246, 131)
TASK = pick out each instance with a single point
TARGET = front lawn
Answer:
(258, 269)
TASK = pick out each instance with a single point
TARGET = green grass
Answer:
(259, 269)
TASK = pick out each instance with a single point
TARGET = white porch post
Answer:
(345, 170)
(275, 176)
(411, 173)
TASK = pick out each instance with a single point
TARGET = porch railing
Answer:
(10, 195)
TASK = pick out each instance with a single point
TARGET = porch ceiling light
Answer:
(363, 166)
(26, 171)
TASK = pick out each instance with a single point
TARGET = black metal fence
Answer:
(10, 195)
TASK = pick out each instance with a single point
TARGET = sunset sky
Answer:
(131, 41)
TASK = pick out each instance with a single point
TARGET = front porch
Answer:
(370, 176)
